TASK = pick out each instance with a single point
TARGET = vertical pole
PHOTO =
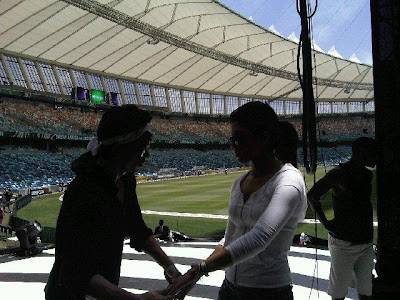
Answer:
(10, 76)
(225, 106)
(385, 18)
(24, 74)
(137, 92)
(58, 79)
(153, 96)
(284, 108)
(122, 92)
(73, 79)
(168, 100)
(43, 78)
(89, 81)
(196, 102)
(103, 83)
(211, 105)
(183, 101)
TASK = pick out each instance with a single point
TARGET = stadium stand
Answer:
(42, 119)
(21, 167)
(26, 166)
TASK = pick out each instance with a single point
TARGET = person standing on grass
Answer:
(351, 231)
(265, 207)
(100, 208)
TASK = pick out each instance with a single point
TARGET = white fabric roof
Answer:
(191, 44)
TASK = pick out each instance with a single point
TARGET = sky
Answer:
(345, 24)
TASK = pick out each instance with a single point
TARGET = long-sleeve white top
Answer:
(260, 231)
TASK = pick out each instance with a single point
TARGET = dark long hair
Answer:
(287, 144)
(258, 117)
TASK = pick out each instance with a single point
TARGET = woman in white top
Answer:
(266, 204)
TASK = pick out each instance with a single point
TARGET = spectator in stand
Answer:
(100, 207)
(1, 215)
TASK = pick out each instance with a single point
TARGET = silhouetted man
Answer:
(351, 231)
(162, 231)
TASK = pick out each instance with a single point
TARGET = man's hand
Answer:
(171, 273)
(156, 295)
(182, 285)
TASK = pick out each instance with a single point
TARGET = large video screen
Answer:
(97, 96)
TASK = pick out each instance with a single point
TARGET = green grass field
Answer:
(204, 194)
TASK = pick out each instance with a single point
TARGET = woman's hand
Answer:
(171, 273)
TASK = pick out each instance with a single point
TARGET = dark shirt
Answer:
(91, 228)
(352, 206)
(162, 231)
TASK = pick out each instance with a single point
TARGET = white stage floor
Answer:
(25, 278)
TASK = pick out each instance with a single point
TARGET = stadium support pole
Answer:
(122, 91)
(73, 78)
(137, 92)
(183, 101)
(104, 84)
(42, 77)
(225, 106)
(196, 101)
(9, 75)
(385, 18)
(153, 96)
(24, 74)
(89, 81)
(58, 79)
(167, 97)
(211, 105)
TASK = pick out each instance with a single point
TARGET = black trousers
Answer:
(230, 291)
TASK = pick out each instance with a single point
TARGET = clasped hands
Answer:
(179, 285)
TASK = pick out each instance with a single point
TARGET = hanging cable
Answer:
(284, 12)
(309, 109)
(351, 23)
(316, 267)
(306, 80)
(330, 19)
(258, 8)
(362, 40)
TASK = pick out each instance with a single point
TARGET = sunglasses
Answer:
(239, 138)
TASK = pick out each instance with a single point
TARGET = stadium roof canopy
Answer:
(197, 45)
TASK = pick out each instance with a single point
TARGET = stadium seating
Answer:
(22, 166)
(16, 117)
(41, 119)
